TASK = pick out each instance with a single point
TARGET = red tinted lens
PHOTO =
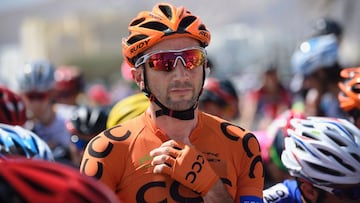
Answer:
(36, 96)
(165, 61)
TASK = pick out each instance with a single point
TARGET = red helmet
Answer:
(68, 79)
(13, 110)
(349, 96)
(25, 180)
(222, 92)
(99, 94)
(165, 21)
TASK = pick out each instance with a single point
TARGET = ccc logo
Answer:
(196, 168)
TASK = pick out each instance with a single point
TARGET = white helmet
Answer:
(37, 76)
(324, 151)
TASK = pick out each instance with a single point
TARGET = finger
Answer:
(174, 144)
(163, 159)
(165, 150)
(162, 168)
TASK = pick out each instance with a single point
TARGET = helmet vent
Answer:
(166, 11)
(155, 26)
(356, 88)
(333, 135)
(37, 187)
(137, 21)
(305, 134)
(324, 169)
(186, 22)
(136, 38)
(339, 160)
(202, 27)
(356, 157)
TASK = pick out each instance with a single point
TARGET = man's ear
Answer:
(309, 191)
(137, 75)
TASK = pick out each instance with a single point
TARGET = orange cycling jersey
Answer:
(120, 158)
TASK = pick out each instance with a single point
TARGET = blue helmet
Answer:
(18, 141)
(37, 76)
(314, 54)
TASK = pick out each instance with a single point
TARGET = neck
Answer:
(175, 129)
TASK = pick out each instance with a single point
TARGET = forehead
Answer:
(174, 44)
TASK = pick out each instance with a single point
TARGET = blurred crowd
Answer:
(55, 112)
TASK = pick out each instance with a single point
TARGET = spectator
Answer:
(261, 106)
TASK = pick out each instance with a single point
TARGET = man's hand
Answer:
(184, 164)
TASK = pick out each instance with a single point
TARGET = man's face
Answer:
(37, 102)
(179, 88)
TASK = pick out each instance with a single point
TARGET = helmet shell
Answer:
(26, 180)
(165, 21)
(314, 54)
(87, 121)
(18, 141)
(68, 79)
(37, 76)
(325, 26)
(13, 109)
(127, 108)
(323, 151)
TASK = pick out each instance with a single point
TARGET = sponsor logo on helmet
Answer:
(139, 46)
(205, 34)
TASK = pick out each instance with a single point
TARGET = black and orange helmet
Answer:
(165, 21)
(349, 95)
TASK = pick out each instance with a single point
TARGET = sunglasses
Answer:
(36, 95)
(166, 60)
(348, 193)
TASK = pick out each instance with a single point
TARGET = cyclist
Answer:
(316, 60)
(36, 82)
(220, 98)
(85, 123)
(68, 89)
(173, 152)
(322, 155)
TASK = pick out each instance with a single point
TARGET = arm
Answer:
(218, 193)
